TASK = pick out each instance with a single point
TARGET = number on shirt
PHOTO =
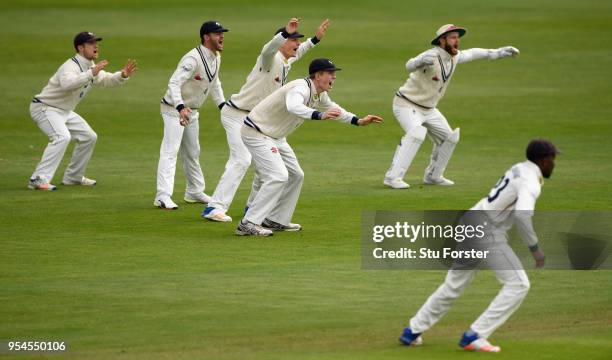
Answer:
(497, 189)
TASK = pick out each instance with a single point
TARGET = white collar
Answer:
(443, 53)
(82, 60)
(535, 168)
(208, 53)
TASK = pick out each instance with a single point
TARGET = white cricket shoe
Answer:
(197, 198)
(274, 226)
(213, 214)
(84, 181)
(247, 228)
(165, 203)
(441, 181)
(482, 345)
(40, 183)
(396, 183)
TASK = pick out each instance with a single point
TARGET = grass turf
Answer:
(116, 278)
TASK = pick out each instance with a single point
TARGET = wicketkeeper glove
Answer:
(505, 51)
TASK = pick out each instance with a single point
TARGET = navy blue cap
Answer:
(85, 37)
(295, 35)
(322, 64)
(211, 27)
(539, 149)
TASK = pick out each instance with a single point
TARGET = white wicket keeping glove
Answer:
(506, 51)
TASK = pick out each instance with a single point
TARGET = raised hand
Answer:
(322, 29)
(369, 119)
(99, 66)
(130, 67)
(292, 25)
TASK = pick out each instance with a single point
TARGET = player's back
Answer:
(518, 189)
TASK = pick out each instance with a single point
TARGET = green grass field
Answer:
(104, 270)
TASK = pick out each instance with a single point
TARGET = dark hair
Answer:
(539, 149)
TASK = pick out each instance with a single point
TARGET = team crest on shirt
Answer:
(274, 149)
(198, 77)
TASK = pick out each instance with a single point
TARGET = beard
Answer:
(453, 50)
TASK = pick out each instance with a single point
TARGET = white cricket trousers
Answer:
(61, 126)
(279, 174)
(411, 116)
(186, 140)
(509, 272)
(238, 162)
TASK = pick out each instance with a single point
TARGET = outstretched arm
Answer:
(424, 59)
(295, 99)
(311, 42)
(71, 77)
(268, 52)
(336, 112)
(106, 79)
(477, 54)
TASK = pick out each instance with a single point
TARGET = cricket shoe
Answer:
(165, 203)
(214, 214)
(197, 198)
(409, 338)
(274, 226)
(471, 342)
(84, 181)
(440, 181)
(40, 183)
(396, 183)
(247, 228)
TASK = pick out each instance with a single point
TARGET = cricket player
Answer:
(511, 201)
(269, 74)
(264, 134)
(196, 76)
(53, 111)
(415, 103)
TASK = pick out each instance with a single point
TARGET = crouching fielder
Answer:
(512, 200)
(264, 132)
(53, 111)
(269, 73)
(415, 103)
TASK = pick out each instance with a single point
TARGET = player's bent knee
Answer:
(454, 136)
(92, 137)
(243, 163)
(61, 139)
(281, 177)
(297, 174)
(519, 287)
(417, 132)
